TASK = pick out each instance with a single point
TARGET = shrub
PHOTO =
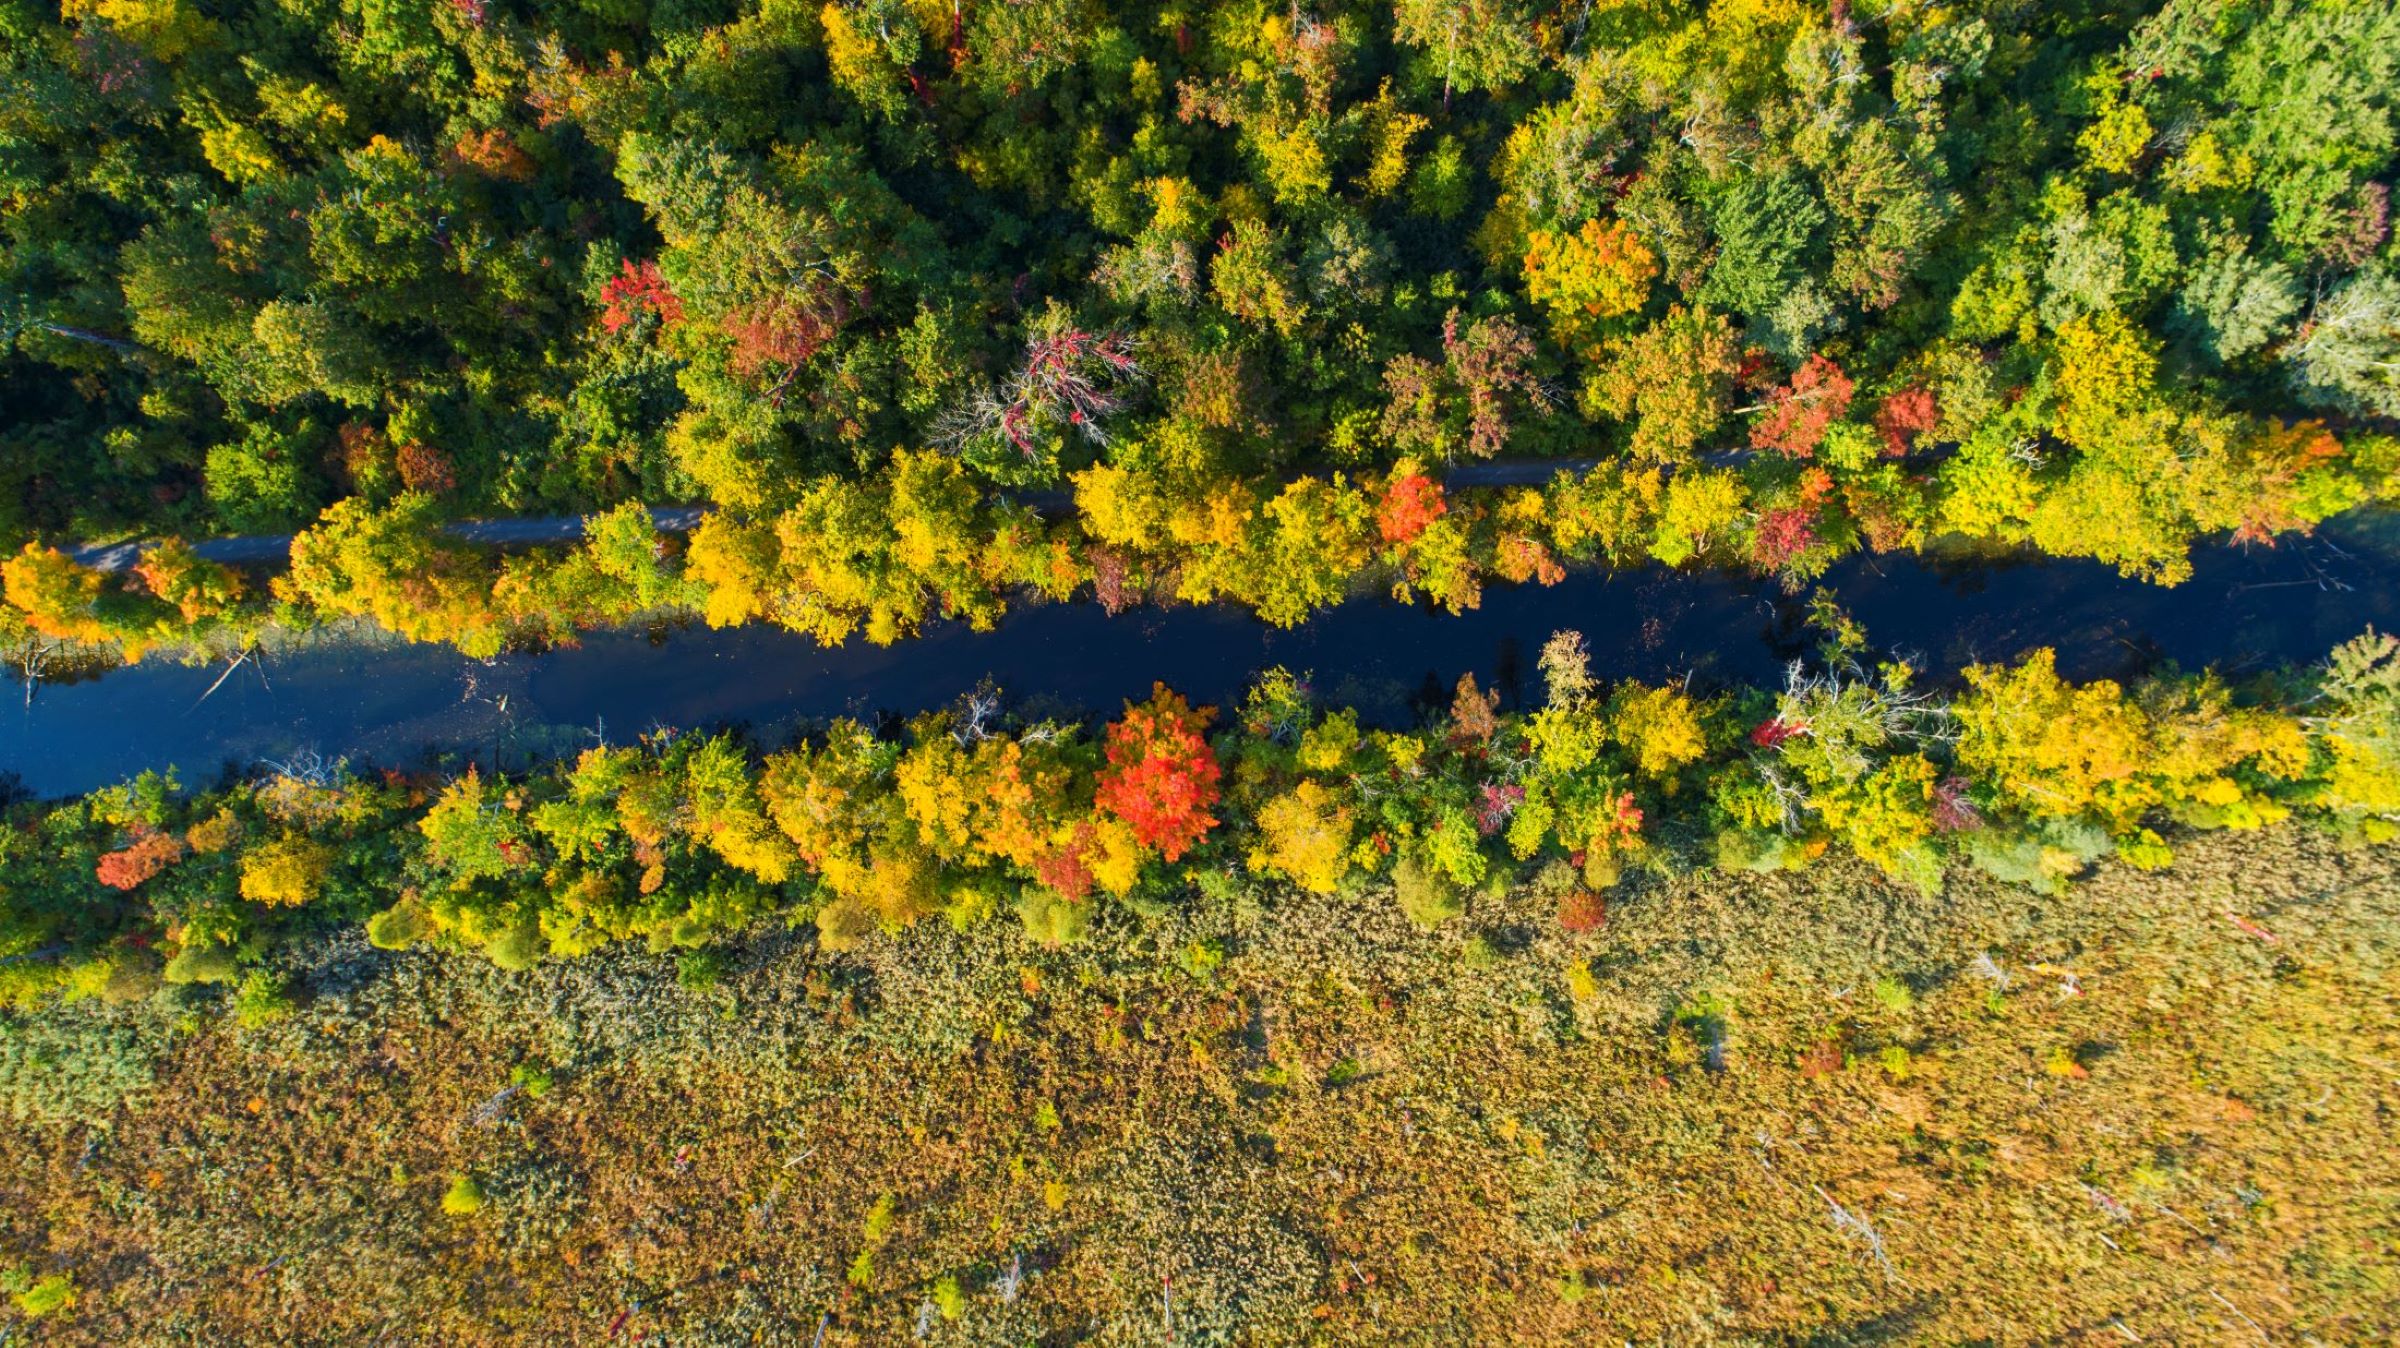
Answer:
(699, 970)
(877, 1228)
(515, 947)
(71, 1064)
(1581, 911)
(400, 926)
(1893, 995)
(37, 1297)
(202, 964)
(262, 999)
(1051, 920)
(464, 1197)
(1426, 895)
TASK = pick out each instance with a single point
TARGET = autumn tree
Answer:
(1306, 834)
(1668, 383)
(1317, 537)
(473, 834)
(1252, 278)
(2347, 356)
(1071, 384)
(767, 264)
(1600, 272)
(57, 597)
(200, 591)
(391, 565)
(1161, 777)
(1905, 417)
(725, 814)
(1658, 728)
(142, 858)
(873, 48)
(287, 872)
(1470, 44)
(1465, 404)
(1798, 414)
(1411, 503)
(636, 292)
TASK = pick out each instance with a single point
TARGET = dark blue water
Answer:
(2244, 608)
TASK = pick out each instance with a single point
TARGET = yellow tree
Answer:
(1306, 837)
(1600, 272)
(391, 566)
(737, 566)
(726, 816)
(58, 597)
(1659, 728)
(286, 872)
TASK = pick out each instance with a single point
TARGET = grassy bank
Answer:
(1813, 1107)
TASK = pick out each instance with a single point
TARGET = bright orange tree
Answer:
(146, 856)
(1411, 503)
(1161, 777)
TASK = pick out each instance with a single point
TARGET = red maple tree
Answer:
(1799, 414)
(785, 331)
(635, 287)
(1782, 536)
(1067, 871)
(1111, 579)
(1161, 776)
(139, 860)
(1494, 804)
(1774, 731)
(1411, 503)
(424, 468)
(1953, 808)
(1904, 416)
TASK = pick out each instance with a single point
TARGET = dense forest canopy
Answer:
(2097, 277)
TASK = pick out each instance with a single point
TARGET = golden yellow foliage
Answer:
(287, 872)
(1307, 837)
(1600, 272)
